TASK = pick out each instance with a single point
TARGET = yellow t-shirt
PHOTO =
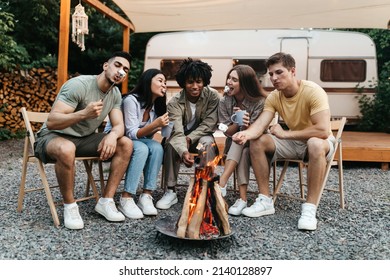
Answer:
(296, 111)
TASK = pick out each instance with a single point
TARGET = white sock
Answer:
(70, 205)
(105, 200)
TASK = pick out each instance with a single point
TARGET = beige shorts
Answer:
(294, 149)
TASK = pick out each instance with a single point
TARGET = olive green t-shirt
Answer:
(78, 92)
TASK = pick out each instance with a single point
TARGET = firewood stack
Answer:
(35, 89)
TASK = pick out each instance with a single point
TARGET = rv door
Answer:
(299, 49)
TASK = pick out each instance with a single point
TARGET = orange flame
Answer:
(207, 227)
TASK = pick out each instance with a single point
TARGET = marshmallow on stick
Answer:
(121, 74)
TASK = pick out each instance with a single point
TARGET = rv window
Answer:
(257, 64)
(170, 67)
(343, 70)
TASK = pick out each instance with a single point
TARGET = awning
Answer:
(175, 15)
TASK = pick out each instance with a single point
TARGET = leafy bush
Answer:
(137, 66)
(376, 111)
(6, 134)
(11, 54)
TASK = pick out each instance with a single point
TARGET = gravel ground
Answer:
(361, 231)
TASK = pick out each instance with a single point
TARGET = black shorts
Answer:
(86, 146)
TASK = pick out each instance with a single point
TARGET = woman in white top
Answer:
(144, 111)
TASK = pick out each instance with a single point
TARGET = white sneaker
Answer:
(169, 199)
(262, 206)
(308, 220)
(109, 211)
(72, 218)
(237, 207)
(128, 207)
(145, 203)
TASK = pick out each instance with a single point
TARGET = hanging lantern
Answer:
(79, 26)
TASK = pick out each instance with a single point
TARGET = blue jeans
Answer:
(147, 159)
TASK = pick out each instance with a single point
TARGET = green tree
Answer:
(36, 29)
(105, 37)
(29, 38)
(11, 54)
(381, 38)
(376, 111)
(138, 42)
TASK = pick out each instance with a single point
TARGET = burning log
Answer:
(204, 214)
(196, 215)
(183, 221)
(222, 209)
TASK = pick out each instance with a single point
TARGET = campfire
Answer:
(204, 214)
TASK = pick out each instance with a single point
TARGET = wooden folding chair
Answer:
(336, 160)
(28, 157)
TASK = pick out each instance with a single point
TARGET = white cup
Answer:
(167, 130)
(237, 117)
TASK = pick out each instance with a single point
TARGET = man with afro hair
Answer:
(194, 112)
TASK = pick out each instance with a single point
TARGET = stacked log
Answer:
(35, 89)
(183, 220)
(193, 229)
(202, 198)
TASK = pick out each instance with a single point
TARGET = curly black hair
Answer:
(195, 69)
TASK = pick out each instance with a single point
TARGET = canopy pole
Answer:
(63, 44)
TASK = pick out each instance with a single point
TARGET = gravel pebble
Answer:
(361, 231)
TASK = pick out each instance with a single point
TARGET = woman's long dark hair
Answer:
(143, 93)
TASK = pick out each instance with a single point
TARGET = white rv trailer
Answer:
(339, 61)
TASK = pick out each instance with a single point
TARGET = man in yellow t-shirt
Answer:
(304, 107)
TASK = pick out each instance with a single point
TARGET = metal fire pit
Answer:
(167, 226)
